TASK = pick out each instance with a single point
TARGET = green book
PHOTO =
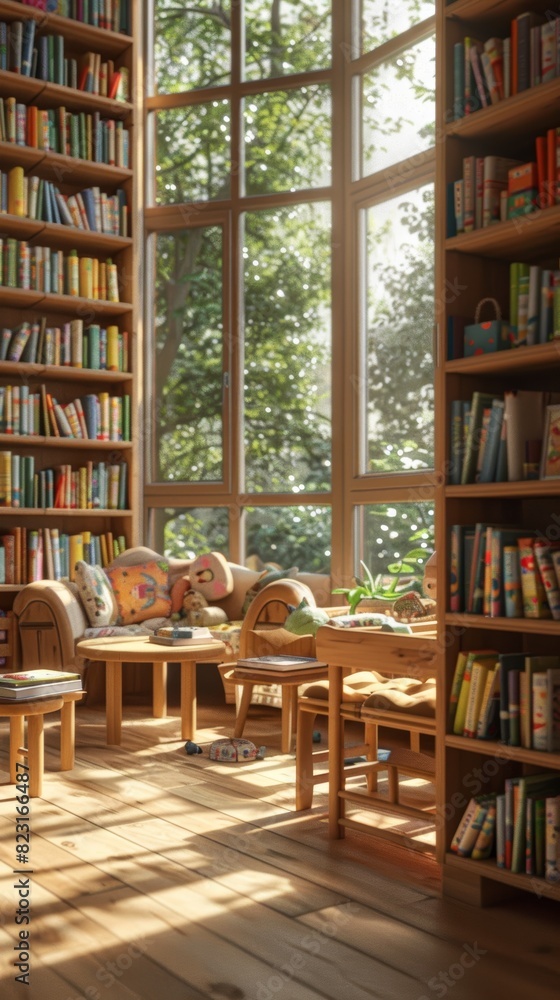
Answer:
(546, 784)
(480, 402)
(126, 418)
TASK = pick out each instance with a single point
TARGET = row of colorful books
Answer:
(486, 73)
(95, 347)
(25, 50)
(500, 571)
(43, 269)
(93, 417)
(510, 697)
(534, 314)
(497, 188)
(24, 685)
(519, 826)
(496, 439)
(78, 135)
(29, 554)
(95, 485)
(114, 15)
(32, 197)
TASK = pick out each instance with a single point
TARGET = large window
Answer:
(290, 280)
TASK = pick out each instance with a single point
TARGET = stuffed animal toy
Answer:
(305, 620)
(192, 596)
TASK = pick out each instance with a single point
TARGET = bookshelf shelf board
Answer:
(89, 37)
(532, 235)
(61, 168)
(528, 488)
(66, 237)
(22, 298)
(62, 237)
(12, 155)
(82, 100)
(84, 444)
(72, 304)
(491, 748)
(536, 356)
(535, 626)
(83, 307)
(9, 588)
(533, 111)
(24, 88)
(27, 88)
(489, 869)
(73, 170)
(61, 373)
(499, 12)
(83, 512)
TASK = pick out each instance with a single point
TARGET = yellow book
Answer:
(86, 277)
(104, 556)
(476, 692)
(76, 545)
(486, 657)
(16, 195)
(113, 348)
(73, 273)
(95, 278)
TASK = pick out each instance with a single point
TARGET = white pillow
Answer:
(96, 595)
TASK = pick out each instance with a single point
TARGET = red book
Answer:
(513, 57)
(551, 183)
(541, 151)
(114, 84)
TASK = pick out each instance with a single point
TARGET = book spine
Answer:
(539, 712)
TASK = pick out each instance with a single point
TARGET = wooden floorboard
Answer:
(159, 876)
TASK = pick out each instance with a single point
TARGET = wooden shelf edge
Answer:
(525, 488)
(62, 512)
(61, 442)
(489, 869)
(492, 748)
(521, 107)
(61, 373)
(511, 237)
(538, 626)
(535, 356)
(7, 588)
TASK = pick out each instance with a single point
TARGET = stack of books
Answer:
(25, 685)
(287, 665)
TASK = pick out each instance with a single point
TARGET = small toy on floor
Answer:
(192, 748)
(316, 736)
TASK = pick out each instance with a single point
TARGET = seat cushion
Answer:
(359, 686)
(422, 702)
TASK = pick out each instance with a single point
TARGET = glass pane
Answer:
(399, 312)
(398, 108)
(288, 37)
(287, 265)
(290, 536)
(396, 540)
(186, 532)
(288, 140)
(187, 406)
(191, 45)
(383, 19)
(193, 153)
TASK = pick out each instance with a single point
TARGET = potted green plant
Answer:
(381, 591)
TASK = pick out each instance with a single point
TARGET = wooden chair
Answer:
(262, 634)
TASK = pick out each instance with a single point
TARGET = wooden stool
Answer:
(34, 711)
(289, 686)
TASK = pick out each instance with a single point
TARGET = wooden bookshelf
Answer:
(72, 174)
(476, 264)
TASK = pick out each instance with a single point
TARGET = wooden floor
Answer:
(166, 877)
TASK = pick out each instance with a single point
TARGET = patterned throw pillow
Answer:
(141, 592)
(96, 595)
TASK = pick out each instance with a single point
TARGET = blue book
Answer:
(90, 408)
(89, 205)
(492, 445)
(458, 80)
(28, 39)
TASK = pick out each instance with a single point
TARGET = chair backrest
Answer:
(262, 633)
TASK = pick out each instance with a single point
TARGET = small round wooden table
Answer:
(118, 650)
(34, 711)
